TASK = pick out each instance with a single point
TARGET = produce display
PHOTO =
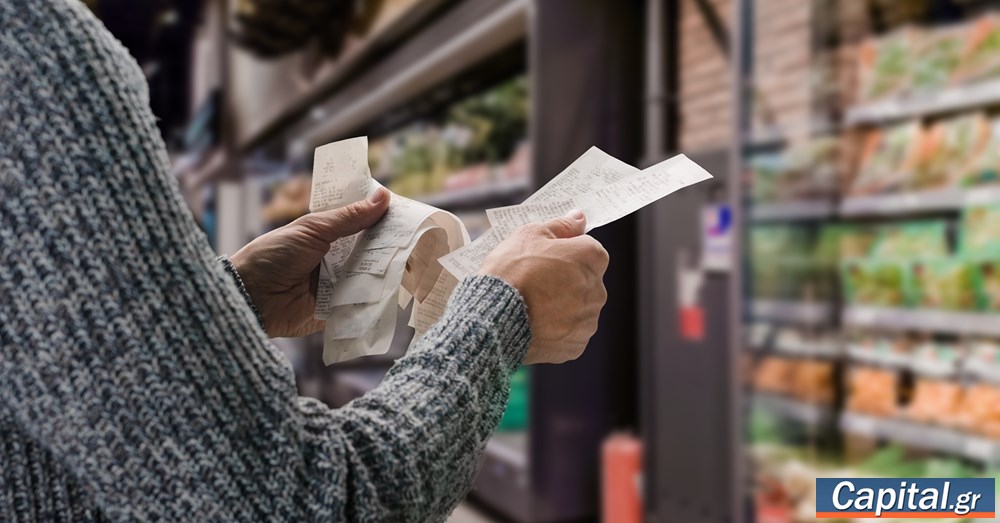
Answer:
(478, 141)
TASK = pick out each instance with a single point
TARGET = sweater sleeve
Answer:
(129, 356)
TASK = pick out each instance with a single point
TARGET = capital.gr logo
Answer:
(917, 498)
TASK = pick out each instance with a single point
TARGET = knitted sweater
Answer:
(135, 382)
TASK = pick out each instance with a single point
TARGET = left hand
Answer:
(280, 269)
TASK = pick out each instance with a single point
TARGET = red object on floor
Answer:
(693, 323)
(622, 479)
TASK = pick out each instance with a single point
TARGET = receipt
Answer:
(418, 254)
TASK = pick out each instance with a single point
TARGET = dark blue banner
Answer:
(916, 498)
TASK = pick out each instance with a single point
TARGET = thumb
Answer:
(569, 226)
(350, 219)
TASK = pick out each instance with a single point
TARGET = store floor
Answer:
(465, 513)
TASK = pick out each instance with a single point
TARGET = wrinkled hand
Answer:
(280, 269)
(559, 271)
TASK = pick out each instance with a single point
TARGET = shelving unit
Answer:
(923, 320)
(793, 210)
(794, 410)
(926, 104)
(808, 313)
(918, 435)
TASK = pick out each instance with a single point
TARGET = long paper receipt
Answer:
(418, 253)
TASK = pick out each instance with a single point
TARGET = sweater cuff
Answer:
(231, 270)
(501, 307)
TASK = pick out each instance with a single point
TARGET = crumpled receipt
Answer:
(418, 253)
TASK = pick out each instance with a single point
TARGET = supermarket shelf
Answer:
(791, 311)
(793, 210)
(808, 349)
(807, 413)
(502, 191)
(975, 323)
(945, 101)
(921, 435)
(475, 42)
(924, 201)
(903, 361)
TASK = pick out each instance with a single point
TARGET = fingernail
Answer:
(378, 195)
(576, 214)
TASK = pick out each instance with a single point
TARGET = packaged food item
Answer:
(983, 359)
(874, 282)
(946, 150)
(893, 350)
(937, 358)
(980, 231)
(908, 240)
(988, 284)
(766, 170)
(980, 57)
(775, 374)
(944, 283)
(872, 391)
(984, 168)
(934, 401)
(936, 56)
(885, 65)
(979, 411)
(814, 382)
(782, 262)
(886, 159)
(855, 241)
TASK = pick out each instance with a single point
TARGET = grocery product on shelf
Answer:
(775, 374)
(985, 167)
(979, 411)
(980, 57)
(980, 231)
(806, 170)
(935, 58)
(886, 159)
(874, 282)
(885, 65)
(814, 382)
(945, 148)
(477, 142)
(855, 241)
(944, 283)
(788, 264)
(934, 401)
(911, 239)
(872, 391)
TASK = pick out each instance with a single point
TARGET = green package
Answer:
(944, 283)
(910, 240)
(874, 282)
(988, 284)
(981, 231)
(855, 241)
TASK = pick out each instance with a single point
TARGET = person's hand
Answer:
(559, 272)
(280, 269)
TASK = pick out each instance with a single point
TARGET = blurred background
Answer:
(829, 305)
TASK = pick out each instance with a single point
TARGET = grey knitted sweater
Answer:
(135, 382)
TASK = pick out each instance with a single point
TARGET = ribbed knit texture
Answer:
(135, 381)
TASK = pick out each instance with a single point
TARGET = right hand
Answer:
(559, 272)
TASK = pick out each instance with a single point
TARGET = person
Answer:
(137, 380)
